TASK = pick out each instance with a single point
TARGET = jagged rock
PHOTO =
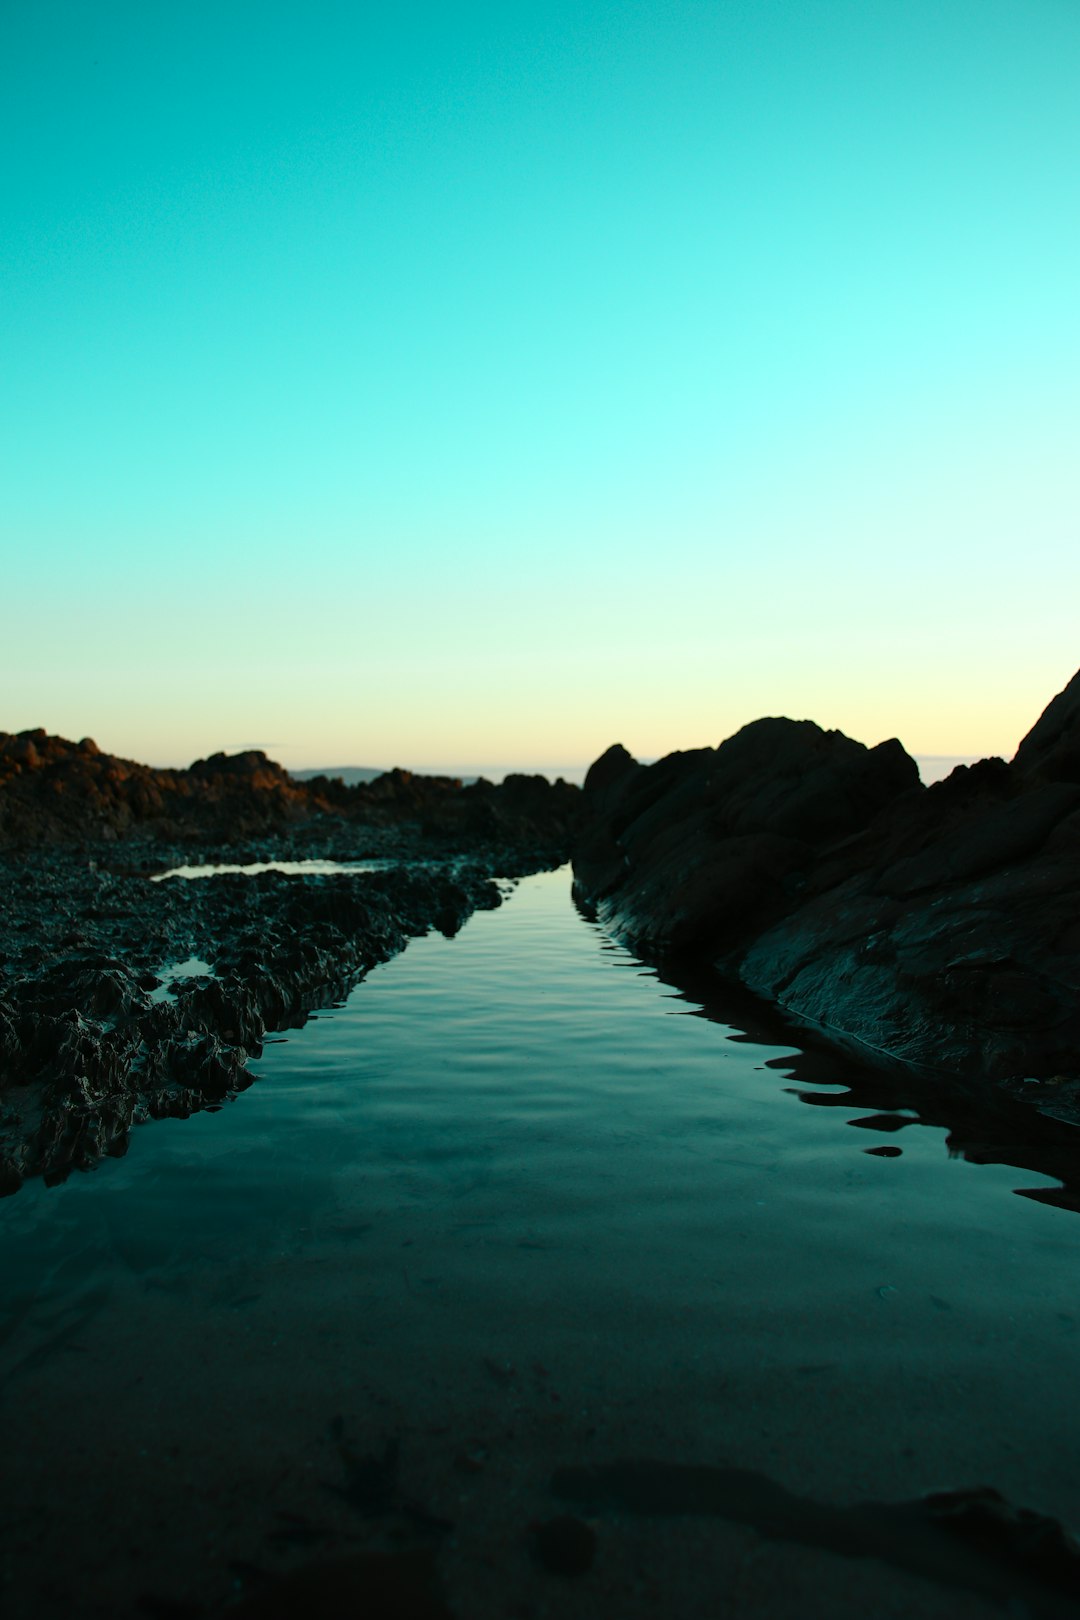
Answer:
(85, 1049)
(937, 926)
(1051, 748)
(56, 791)
(611, 768)
(91, 1040)
(702, 848)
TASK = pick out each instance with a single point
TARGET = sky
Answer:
(416, 383)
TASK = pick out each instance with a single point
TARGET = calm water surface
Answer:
(253, 868)
(518, 1191)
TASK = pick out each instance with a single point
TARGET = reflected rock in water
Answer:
(984, 1124)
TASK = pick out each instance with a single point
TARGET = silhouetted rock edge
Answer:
(937, 927)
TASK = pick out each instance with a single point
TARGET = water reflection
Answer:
(524, 1206)
(255, 868)
(984, 1125)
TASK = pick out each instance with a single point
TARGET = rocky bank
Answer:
(936, 926)
(53, 791)
(98, 1030)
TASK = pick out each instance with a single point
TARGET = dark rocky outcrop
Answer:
(703, 849)
(92, 1040)
(55, 791)
(935, 926)
(1051, 748)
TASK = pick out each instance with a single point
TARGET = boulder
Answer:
(705, 848)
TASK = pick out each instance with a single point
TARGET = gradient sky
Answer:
(426, 382)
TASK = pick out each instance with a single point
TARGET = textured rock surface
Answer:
(91, 1040)
(937, 926)
(55, 791)
(1052, 747)
(704, 848)
(95, 1034)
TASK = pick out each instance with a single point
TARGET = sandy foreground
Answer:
(169, 1454)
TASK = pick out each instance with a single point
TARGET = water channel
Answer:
(517, 1205)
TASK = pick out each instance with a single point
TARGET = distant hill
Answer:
(349, 774)
(932, 768)
(466, 774)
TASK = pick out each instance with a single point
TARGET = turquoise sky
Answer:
(422, 383)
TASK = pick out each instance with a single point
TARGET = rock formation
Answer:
(54, 791)
(92, 1039)
(936, 926)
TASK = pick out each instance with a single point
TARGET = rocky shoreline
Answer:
(99, 1032)
(95, 1034)
(934, 928)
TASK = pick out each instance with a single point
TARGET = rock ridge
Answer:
(53, 791)
(931, 926)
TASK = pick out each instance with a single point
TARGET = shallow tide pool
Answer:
(255, 868)
(517, 1205)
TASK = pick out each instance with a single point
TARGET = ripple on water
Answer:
(522, 1148)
